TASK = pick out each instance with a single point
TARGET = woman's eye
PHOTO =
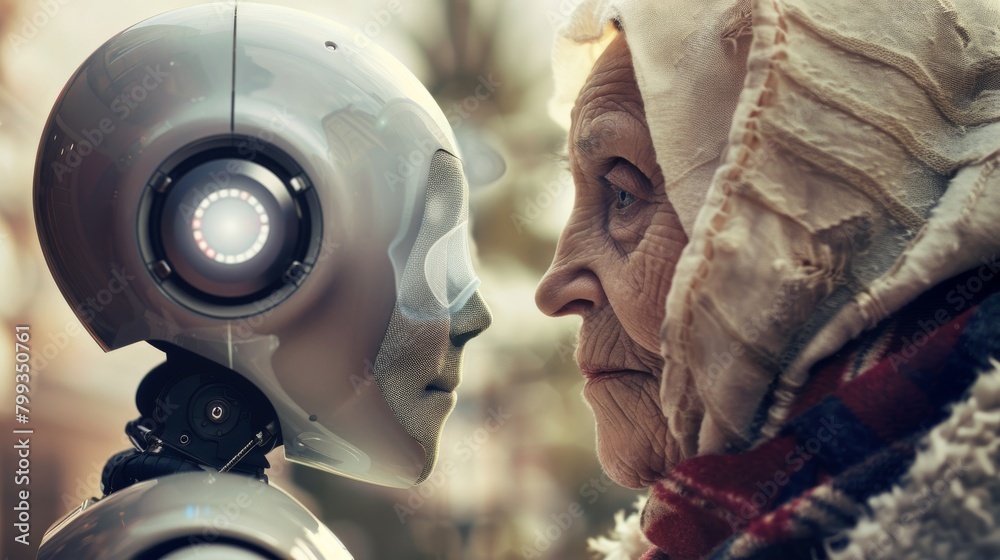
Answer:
(624, 179)
(623, 198)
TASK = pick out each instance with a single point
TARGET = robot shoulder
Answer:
(204, 515)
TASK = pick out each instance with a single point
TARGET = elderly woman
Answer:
(784, 247)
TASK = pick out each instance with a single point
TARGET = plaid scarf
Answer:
(852, 435)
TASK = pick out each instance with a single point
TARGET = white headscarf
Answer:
(690, 131)
(825, 178)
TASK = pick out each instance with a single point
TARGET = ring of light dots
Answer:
(224, 223)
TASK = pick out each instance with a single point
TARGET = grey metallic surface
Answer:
(364, 131)
(139, 98)
(192, 510)
(362, 113)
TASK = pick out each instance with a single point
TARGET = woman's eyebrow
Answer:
(590, 143)
(602, 129)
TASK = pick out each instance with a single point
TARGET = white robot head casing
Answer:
(255, 185)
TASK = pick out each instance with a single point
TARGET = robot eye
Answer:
(222, 233)
(230, 226)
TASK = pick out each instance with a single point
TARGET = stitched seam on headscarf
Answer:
(753, 194)
(853, 176)
(908, 66)
(891, 126)
(744, 160)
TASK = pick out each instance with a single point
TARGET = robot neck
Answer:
(194, 415)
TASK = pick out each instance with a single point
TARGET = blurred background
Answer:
(512, 487)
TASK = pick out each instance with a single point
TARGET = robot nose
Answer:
(470, 321)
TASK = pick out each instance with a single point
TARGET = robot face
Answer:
(288, 209)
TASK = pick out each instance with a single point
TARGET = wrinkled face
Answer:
(613, 267)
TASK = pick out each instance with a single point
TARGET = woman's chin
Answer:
(624, 471)
(632, 434)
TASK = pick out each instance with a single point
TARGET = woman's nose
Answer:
(470, 321)
(569, 286)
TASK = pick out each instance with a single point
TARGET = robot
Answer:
(278, 207)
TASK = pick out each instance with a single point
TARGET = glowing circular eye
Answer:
(223, 233)
(230, 226)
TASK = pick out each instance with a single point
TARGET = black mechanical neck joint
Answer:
(194, 415)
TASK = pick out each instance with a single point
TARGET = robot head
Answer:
(251, 184)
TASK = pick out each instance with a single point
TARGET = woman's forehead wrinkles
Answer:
(610, 87)
(609, 90)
